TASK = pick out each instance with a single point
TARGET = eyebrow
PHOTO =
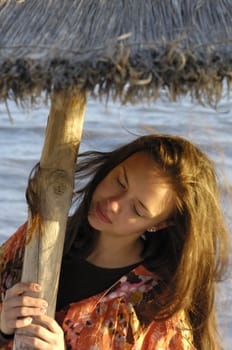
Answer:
(127, 182)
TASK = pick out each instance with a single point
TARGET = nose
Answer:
(114, 204)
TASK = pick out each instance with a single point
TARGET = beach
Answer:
(106, 126)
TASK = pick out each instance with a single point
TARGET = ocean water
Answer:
(106, 126)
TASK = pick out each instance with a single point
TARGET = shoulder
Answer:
(11, 257)
(138, 290)
(133, 286)
(112, 318)
(174, 333)
(15, 243)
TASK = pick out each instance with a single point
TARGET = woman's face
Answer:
(133, 197)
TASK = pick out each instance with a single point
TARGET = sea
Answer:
(107, 125)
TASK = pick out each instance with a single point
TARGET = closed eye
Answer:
(136, 212)
(121, 184)
(124, 187)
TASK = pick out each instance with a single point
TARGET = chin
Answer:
(93, 223)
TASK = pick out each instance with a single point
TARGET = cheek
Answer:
(99, 189)
(132, 224)
(98, 195)
(106, 188)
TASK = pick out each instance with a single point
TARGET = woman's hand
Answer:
(18, 309)
(27, 314)
(43, 334)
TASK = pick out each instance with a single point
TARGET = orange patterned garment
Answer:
(109, 320)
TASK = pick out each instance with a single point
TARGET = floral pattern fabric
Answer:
(109, 320)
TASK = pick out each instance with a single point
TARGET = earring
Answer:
(152, 229)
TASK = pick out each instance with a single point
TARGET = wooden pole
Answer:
(53, 187)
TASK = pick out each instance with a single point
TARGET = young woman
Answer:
(143, 252)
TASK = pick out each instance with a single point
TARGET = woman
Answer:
(144, 249)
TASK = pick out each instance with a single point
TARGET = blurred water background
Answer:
(106, 126)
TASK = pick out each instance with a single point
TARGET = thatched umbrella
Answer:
(129, 49)
(126, 49)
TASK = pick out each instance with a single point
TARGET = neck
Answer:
(113, 252)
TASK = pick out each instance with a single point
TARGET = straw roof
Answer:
(127, 49)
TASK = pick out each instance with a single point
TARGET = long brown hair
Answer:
(190, 256)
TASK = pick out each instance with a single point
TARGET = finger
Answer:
(19, 323)
(22, 312)
(20, 288)
(37, 330)
(24, 301)
(40, 334)
(28, 341)
(47, 322)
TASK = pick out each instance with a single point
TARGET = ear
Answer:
(161, 225)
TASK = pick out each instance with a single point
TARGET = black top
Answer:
(80, 279)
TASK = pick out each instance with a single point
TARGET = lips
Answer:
(102, 214)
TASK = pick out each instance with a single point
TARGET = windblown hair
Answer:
(190, 256)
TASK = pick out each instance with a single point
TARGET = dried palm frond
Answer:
(126, 49)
